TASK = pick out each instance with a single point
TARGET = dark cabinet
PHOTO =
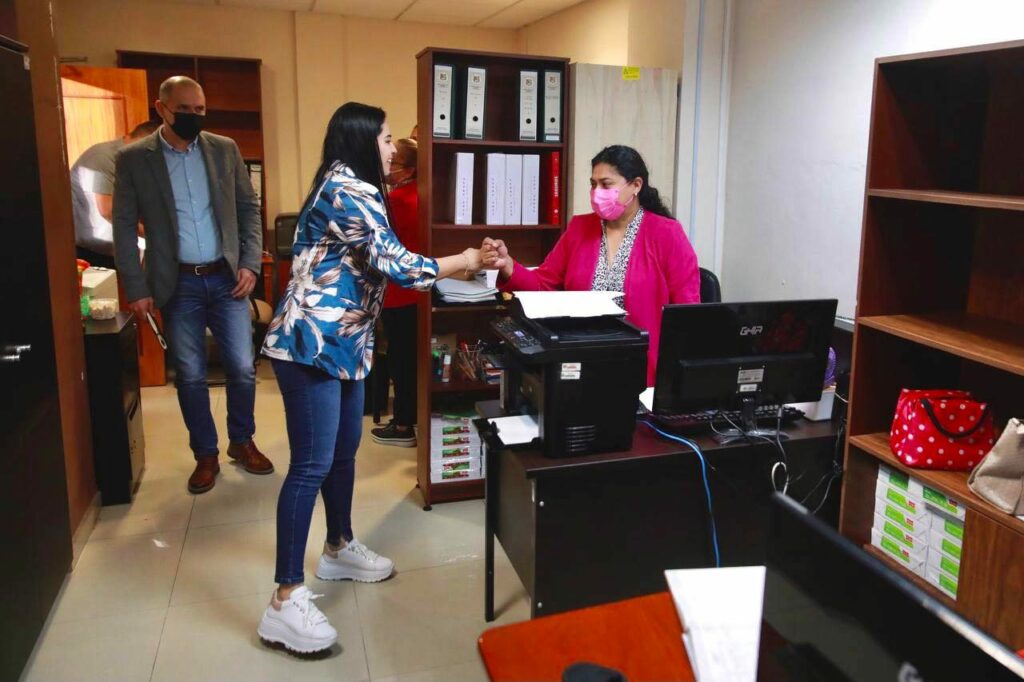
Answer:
(116, 403)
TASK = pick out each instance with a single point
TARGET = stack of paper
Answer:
(541, 304)
(459, 291)
(720, 609)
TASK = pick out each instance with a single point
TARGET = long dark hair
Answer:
(352, 139)
(630, 165)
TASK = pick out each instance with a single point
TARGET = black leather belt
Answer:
(203, 269)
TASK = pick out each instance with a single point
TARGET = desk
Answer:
(640, 637)
(589, 530)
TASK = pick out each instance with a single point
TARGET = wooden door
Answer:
(103, 104)
(35, 533)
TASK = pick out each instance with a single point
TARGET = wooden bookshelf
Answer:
(439, 236)
(1009, 203)
(234, 98)
(941, 293)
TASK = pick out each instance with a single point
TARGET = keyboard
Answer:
(767, 416)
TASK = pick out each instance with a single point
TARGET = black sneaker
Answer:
(390, 435)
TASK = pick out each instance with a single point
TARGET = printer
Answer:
(579, 376)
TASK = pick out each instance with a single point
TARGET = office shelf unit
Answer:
(941, 292)
(234, 100)
(439, 237)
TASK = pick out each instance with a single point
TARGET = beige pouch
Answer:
(999, 478)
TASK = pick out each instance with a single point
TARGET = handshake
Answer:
(492, 255)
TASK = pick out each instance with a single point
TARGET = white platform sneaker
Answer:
(355, 562)
(297, 623)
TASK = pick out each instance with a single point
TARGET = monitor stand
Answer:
(748, 421)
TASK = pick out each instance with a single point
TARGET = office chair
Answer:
(283, 238)
(710, 289)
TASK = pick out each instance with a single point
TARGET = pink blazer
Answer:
(662, 269)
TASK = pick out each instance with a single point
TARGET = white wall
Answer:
(799, 102)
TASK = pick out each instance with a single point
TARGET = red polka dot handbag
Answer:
(938, 429)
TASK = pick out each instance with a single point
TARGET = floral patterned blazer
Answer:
(343, 255)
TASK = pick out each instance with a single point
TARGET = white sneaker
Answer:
(297, 623)
(355, 562)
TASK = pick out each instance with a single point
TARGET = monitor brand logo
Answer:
(751, 331)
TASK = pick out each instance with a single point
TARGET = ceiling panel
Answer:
(375, 9)
(527, 12)
(289, 5)
(457, 12)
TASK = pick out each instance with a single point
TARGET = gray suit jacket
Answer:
(142, 191)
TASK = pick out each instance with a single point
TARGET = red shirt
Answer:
(404, 202)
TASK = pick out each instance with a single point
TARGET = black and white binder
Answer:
(444, 100)
(476, 96)
(528, 105)
(552, 106)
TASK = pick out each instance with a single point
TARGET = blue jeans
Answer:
(325, 422)
(200, 302)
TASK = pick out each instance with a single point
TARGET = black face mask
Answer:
(187, 126)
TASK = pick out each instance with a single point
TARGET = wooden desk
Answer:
(589, 530)
(640, 637)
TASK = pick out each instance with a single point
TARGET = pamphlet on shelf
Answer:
(461, 291)
(528, 87)
(444, 78)
(542, 304)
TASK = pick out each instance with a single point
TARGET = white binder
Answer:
(444, 87)
(552, 106)
(463, 188)
(531, 189)
(528, 87)
(495, 189)
(476, 96)
(514, 189)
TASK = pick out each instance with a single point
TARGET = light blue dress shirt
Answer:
(199, 239)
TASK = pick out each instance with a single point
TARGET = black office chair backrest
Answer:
(710, 289)
(284, 233)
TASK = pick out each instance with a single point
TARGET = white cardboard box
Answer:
(942, 561)
(942, 580)
(915, 523)
(915, 543)
(901, 498)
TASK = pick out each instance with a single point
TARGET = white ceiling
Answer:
(483, 13)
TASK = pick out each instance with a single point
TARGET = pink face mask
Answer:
(605, 202)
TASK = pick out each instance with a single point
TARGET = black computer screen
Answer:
(713, 355)
(833, 613)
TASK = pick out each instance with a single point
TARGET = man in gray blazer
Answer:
(192, 192)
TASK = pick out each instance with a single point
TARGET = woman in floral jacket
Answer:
(321, 346)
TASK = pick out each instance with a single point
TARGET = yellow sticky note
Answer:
(630, 73)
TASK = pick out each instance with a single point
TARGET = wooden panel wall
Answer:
(35, 28)
(606, 109)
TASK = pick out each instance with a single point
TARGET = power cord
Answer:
(707, 487)
(782, 465)
(834, 474)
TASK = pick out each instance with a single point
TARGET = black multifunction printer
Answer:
(580, 377)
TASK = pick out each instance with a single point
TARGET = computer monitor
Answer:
(833, 613)
(734, 356)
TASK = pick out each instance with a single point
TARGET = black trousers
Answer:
(400, 327)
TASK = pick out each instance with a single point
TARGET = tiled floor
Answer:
(171, 587)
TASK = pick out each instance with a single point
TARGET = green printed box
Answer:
(942, 580)
(914, 542)
(947, 545)
(454, 429)
(900, 481)
(942, 561)
(900, 498)
(916, 524)
(455, 452)
(912, 561)
(945, 504)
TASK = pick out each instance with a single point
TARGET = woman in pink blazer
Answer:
(630, 243)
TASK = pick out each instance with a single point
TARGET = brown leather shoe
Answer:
(205, 475)
(249, 456)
